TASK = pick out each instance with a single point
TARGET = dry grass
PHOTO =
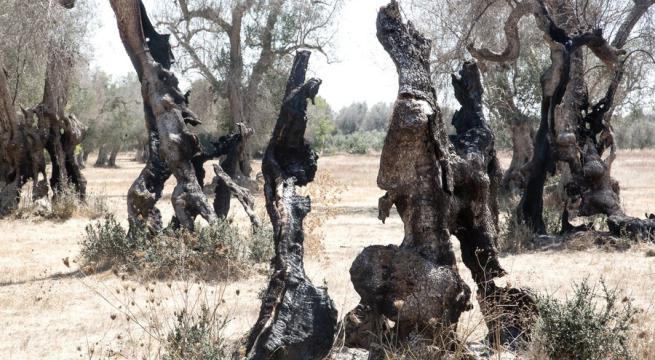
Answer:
(48, 312)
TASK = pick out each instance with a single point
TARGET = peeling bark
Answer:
(297, 320)
(172, 146)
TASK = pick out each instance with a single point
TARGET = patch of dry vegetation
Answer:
(65, 205)
(216, 251)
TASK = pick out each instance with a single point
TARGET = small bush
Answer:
(260, 247)
(197, 337)
(214, 251)
(593, 324)
(65, 203)
(515, 237)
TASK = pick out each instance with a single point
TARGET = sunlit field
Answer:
(49, 310)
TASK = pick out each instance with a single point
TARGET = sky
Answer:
(360, 71)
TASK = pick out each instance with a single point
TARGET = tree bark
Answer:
(417, 284)
(519, 124)
(102, 159)
(61, 135)
(113, 155)
(297, 320)
(172, 146)
(439, 186)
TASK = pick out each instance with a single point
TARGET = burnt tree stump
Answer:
(297, 320)
(440, 186)
(417, 284)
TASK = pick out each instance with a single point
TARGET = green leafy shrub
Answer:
(593, 324)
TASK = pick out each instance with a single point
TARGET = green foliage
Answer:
(197, 337)
(350, 118)
(593, 324)
(218, 250)
(635, 131)
(320, 123)
(360, 142)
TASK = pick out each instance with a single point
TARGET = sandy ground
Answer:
(45, 312)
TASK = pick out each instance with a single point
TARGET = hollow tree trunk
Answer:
(172, 146)
(297, 320)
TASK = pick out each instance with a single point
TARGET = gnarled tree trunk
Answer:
(172, 146)
(60, 133)
(572, 129)
(297, 320)
(439, 186)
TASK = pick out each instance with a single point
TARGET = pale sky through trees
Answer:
(360, 70)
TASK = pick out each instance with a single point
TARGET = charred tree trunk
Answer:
(297, 320)
(81, 159)
(508, 312)
(439, 186)
(73, 134)
(172, 146)
(573, 130)
(231, 146)
(417, 284)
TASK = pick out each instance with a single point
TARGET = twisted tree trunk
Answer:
(572, 129)
(439, 186)
(297, 320)
(172, 146)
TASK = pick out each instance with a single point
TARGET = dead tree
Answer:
(573, 130)
(297, 320)
(439, 185)
(172, 146)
